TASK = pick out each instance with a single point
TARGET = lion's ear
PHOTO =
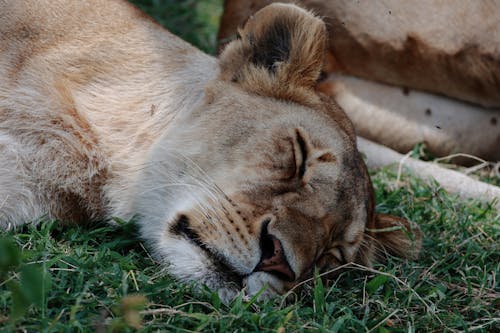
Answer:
(280, 49)
(395, 236)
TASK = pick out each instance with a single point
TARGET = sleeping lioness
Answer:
(238, 173)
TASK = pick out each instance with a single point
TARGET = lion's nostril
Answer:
(273, 259)
(266, 242)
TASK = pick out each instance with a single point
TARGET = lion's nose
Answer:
(273, 258)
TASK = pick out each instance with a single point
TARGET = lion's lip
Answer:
(182, 227)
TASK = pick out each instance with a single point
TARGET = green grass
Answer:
(87, 279)
(94, 273)
(195, 21)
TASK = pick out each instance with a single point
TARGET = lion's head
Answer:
(263, 183)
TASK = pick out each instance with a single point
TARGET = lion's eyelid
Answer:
(303, 153)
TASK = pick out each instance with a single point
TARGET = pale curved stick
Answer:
(452, 181)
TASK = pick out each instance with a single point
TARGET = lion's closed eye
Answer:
(301, 151)
(331, 260)
(306, 156)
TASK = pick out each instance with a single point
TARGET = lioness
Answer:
(238, 172)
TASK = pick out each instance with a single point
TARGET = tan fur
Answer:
(231, 168)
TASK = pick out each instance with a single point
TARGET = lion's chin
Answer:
(263, 285)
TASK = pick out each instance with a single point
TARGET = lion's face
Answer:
(265, 184)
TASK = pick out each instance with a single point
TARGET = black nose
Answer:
(273, 259)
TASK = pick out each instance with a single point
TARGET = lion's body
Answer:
(82, 103)
(103, 113)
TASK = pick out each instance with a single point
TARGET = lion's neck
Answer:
(128, 122)
(133, 124)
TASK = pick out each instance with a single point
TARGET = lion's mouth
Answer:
(273, 258)
(182, 227)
